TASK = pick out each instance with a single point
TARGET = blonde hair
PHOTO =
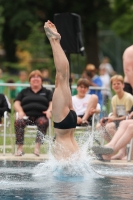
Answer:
(35, 72)
(117, 78)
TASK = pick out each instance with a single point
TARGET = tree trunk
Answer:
(91, 45)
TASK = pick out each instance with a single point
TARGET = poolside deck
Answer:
(25, 157)
(114, 162)
(43, 157)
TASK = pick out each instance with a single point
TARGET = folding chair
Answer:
(90, 128)
(6, 126)
(129, 150)
(33, 129)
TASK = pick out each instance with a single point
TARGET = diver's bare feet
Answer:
(51, 31)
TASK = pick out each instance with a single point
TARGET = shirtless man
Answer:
(65, 118)
(128, 69)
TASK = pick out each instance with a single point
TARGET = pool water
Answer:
(23, 180)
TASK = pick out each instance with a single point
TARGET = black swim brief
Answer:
(69, 122)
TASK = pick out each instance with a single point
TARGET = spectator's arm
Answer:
(48, 112)
(131, 115)
(50, 106)
(3, 106)
(114, 117)
(18, 108)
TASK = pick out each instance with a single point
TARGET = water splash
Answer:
(76, 167)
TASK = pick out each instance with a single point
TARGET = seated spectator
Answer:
(85, 105)
(34, 102)
(23, 75)
(121, 138)
(95, 81)
(121, 104)
(4, 106)
(1, 81)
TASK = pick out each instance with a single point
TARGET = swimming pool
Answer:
(17, 181)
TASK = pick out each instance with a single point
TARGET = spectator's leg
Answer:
(19, 131)
(122, 137)
(110, 129)
(42, 124)
(120, 155)
(103, 132)
(92, 104)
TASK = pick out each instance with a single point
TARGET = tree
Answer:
(16, 16)
(95, 15)
(92, 14)
(123, 18)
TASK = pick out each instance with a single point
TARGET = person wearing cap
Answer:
(33, 105)
(95, 81)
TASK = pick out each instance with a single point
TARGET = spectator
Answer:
(95, 81)
(4, 106)
(121, 138)
(34, 102)
(121, 104)
(23, 76)
(1, 81)
(12, 91)
(128, 69)
(85, 105)
(73, 83)
(106, 84)
(106, 63)
(46, 77)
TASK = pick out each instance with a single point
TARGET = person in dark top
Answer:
(65, 118)
(33, 105)
(4, 106)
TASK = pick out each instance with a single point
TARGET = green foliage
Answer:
(23, 20)
(2, 20)
(36, 44)
(123, 18)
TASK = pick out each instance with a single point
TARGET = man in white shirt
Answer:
(85, 105)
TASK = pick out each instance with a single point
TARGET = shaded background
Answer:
(107, 29)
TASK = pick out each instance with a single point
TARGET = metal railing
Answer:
(8, 87)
